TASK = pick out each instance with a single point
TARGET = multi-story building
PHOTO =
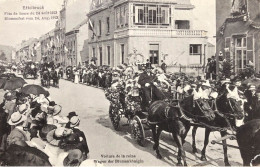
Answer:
(238, 35)
(126, 31)
(59, 38)
(75, 42)
(76, 31)
(47, 46)
(29, 50)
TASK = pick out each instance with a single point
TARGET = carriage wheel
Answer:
(138, 131)
(114, 117)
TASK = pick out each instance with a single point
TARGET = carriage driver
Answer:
(148, 85)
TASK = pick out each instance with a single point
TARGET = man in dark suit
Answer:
(148, 86)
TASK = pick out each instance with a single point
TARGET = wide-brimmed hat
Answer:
(45, 130)
(59, 132)
(74, 158)
(207, 84)
(252, 87)
(74, 121)
(22, 108)
(57, 109)
(227, 80)
(16, 118)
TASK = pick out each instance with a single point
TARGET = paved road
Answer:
(109, 145)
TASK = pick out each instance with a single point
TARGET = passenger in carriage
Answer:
(148, 86)
(206, 90)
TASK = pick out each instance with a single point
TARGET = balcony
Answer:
(170, 33)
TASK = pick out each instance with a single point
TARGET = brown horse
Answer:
(227, 112)
(248, 139)
(170, 118)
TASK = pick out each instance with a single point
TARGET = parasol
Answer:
(24, 155)
(14, 83)
(34, 89)
(2, 82)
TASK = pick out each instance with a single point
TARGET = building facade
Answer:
(48, 47)
(29, 50)
(238, 24)
(75, 44)
(130, 31)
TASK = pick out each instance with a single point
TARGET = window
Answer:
(93, 31)
(154, 53)
(100, 28)
(151, 14)
(243, 52)
(101, 56)
(122, 53)
(93, 52)
(182, 24)
(108, 55)
(118, 17)
(126, 15)
(108, 25)
(195, 50)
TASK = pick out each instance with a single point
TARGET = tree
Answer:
(227, 68)
(3, 56)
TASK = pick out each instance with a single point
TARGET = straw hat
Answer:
(74, 158)
(227, 80)
(16, 118)
(59, 132)
(74, 121)
(22, 108)
(57, 109)
(207, 84)
(252, 87)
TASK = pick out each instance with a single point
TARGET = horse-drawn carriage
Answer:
(176, 116)
(49, 77)
(30, 70)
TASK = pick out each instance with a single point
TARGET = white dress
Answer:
(76, 77)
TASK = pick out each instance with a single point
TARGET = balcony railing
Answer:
(180, 33)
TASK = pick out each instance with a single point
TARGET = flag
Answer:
(38, 45)
(65, 49)
(91, 26)
(33, 53)
(57, 37)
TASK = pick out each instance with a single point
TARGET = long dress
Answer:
(76, 77)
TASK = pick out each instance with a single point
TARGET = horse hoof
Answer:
(194, 150)
(179, 164)
(159, 156)
(227, 164)
(203, 158)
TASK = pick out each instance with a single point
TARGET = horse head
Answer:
(234, 108)
(203, 109)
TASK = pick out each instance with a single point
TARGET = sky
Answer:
(13, 32)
